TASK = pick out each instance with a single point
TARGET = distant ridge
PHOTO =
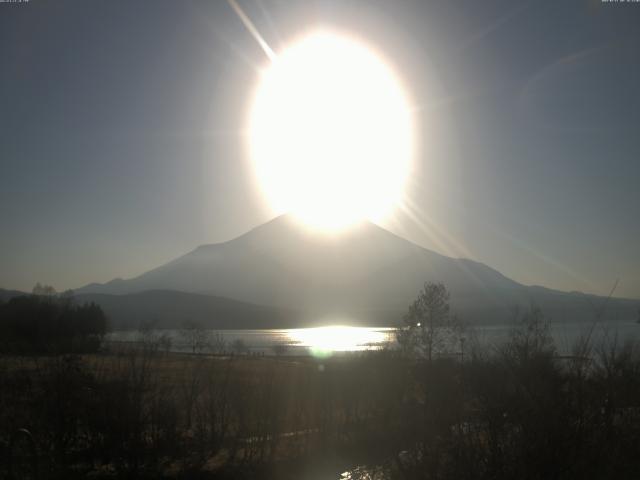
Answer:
(171, 309)
(5, 295)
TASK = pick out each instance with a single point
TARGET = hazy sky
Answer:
(122, 147)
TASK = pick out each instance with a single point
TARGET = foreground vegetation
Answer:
(433, 409)
(48, 323)
(516, 412)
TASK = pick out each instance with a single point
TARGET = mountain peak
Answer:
(283, 264)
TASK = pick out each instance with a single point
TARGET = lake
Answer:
(322, 341)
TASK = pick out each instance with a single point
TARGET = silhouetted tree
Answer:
(47, 323)
(165, 342)
(238, 346)
(217, 343)
(530, 339)
(195, 336)
(279, 349)
(44, 290)
(428, 326)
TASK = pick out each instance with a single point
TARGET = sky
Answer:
(123, 132)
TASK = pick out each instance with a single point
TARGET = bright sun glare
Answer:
(337, 338)
(331, 133)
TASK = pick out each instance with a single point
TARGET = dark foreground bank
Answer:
(520, 411)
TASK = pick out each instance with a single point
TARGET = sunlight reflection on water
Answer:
(336, 339)
(318, 341)
(322, 341)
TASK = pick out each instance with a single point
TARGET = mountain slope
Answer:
(368, 269)
(6, 295)
(171, 309)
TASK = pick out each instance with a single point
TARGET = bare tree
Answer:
(428, 326)
(239, 347)
(44, 290)
(531, 338)
(195, 336)
(217, 342)
(280, 349)
(165, 342)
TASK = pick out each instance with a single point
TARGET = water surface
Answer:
(341, 339)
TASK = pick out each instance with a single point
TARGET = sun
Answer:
(330, 133)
